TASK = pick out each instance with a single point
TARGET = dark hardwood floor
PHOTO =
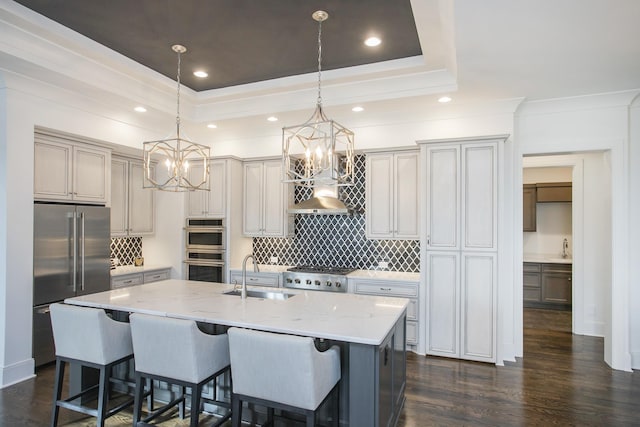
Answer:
(561, 380)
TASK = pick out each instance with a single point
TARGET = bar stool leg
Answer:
(103, 385)
(196, 390)
(57, 391)
(137, 404)
(236, 411)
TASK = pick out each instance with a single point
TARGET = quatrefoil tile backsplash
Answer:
(126, 249)
(338, 240)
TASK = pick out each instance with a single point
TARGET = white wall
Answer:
(553, 224)
(634, 235)
(30, 104)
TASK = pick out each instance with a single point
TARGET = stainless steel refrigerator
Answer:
(70, 258)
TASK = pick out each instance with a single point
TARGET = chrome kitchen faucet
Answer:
(243, 293)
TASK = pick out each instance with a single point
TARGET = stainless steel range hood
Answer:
(323, 202)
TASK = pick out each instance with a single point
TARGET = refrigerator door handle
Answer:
(82, 251)
(75, 251)
(43, 310)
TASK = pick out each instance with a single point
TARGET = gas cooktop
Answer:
(317, 278)
(322, 269)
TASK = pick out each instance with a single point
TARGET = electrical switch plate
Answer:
(383, 264)
(274, 260)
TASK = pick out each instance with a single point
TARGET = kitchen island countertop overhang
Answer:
(352, 318)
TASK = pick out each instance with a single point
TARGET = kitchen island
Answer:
(369, 330)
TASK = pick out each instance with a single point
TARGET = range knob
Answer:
(308, 281)
(297, 281)
(318, 283)
(289, 280)
(328, 283)
(338, 284)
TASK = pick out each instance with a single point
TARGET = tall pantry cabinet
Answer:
(461, 242)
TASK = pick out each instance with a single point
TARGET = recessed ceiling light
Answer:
(212, 126)
(272, 119)
(357, 109)
(140, 109)
(372, 41)
(444, 99)
(200, 73)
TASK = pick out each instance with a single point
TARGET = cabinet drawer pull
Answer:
(157, 276)
(253, 279)
(385, 289)
(127, 281)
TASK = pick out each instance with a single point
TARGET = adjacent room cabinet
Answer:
(392, 200)
(266, 200)
(70, 171)
(210, 203)
(529, 196)
(461, 247)
(547, 285)
(132, 206)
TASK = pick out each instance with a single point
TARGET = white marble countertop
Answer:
(385, 275)
(546, 258)
(364, 274)
(123, 270)
(344, 317)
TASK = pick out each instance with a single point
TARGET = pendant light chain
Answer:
(319, 62)
(178, 103)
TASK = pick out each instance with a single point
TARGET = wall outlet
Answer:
(383, 264)
(273, 260)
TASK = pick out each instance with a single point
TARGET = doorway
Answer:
(590, 237)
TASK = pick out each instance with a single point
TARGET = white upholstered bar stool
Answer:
(176, 351)
(281, 372)
(88, 337)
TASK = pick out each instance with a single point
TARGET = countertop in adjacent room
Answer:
(546, 258)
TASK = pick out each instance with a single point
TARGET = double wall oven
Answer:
(205, 249)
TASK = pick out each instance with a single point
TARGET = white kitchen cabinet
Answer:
(266, 200)
(393, 288)
(461, 305)
(462, 196)
(254, 278)
(461, 249)
(132, 206)
(66, 171)
(392, 201)
(210, 203)
(138, 278)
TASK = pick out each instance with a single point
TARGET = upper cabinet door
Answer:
(252, 211)
(91, 176)
(443, 192)
(406, 210)
(53, 172)
(119, 197)
(141, 201)
(379, 196)
(217, 193)
(196, 200)
(479, 196)
(273, 200)
(67, 171)
(392, 195)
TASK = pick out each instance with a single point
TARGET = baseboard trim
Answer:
(17, 372)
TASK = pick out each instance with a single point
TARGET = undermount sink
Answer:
(281, 296)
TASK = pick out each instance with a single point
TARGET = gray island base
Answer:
(370, 331)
